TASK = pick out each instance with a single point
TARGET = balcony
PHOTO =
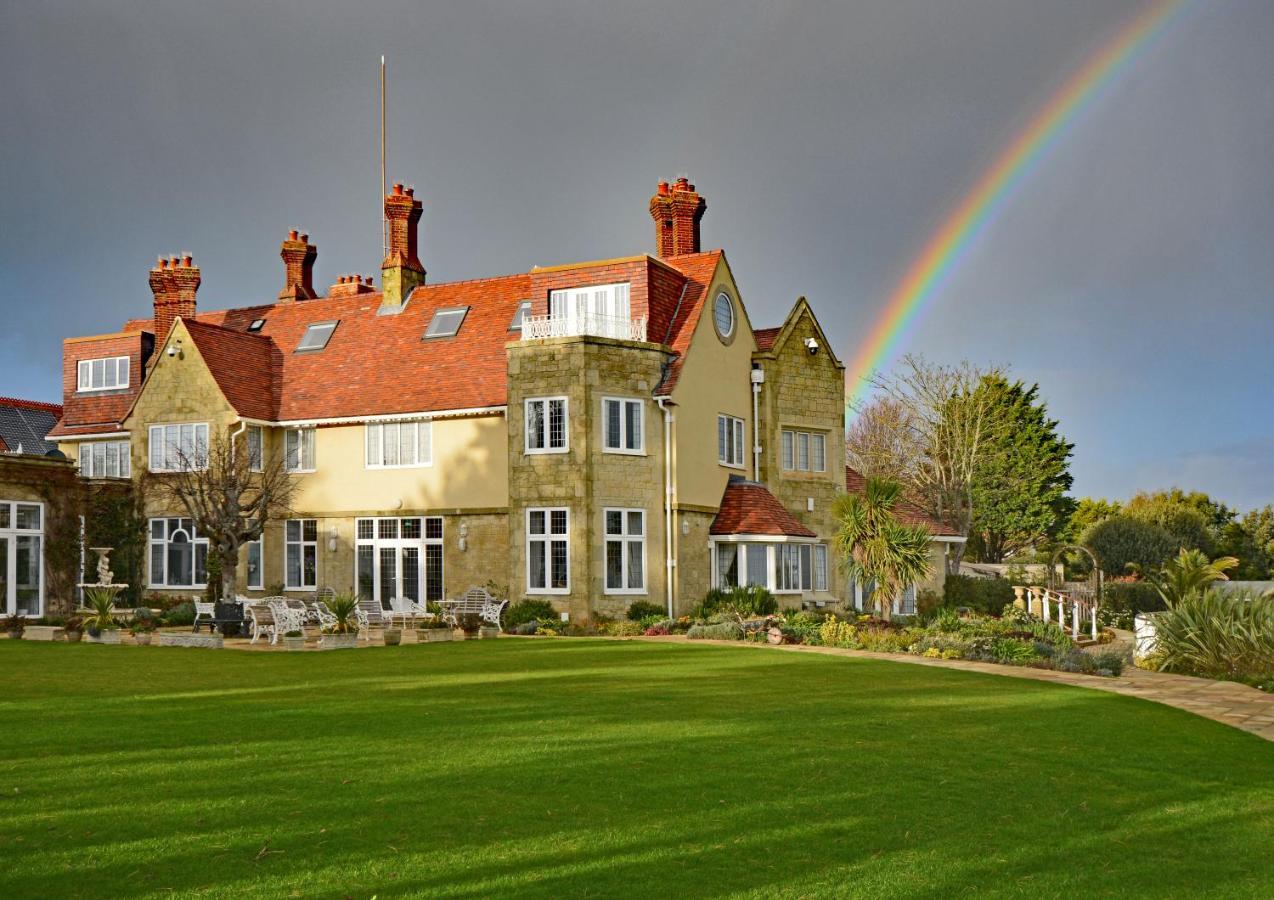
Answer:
(627, 329)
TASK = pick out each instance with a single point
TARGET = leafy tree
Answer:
(1194, 520)
(878, 548)
(1021, 474)
(1123, 544)
(1189, 574)
(1084, 513)
(1251, 539)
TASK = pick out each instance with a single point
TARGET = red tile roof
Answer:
(698, 269)
(906, 511)
(243, 366)
(765, 337)
(749, 508)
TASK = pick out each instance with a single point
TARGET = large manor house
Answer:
(591, 434)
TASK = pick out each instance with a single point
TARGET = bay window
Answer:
(782, 567)
(548, 551)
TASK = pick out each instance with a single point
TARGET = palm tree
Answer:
(875, 546)
(1190, 574)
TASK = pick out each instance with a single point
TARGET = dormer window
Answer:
(257, 325)
(316, 336)
(446, 322)
(599, 309)
(103, 374)
(519, 315)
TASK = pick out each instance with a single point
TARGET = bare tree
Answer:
(883, 442)
(949, 418)
(230, 491)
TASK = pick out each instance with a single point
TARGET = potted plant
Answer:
(487, 631)
(142, 627)
(393, 636)
(469, 625)
(341, 634)
(15, 625)
(73, 629)
(294, 640)
(100, 624)
(434, 630)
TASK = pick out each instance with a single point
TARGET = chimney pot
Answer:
(677, 213)
(292, 235)
(305, 239)
(298, 256)
(398, 189)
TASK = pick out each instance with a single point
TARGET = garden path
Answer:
(1234, 704)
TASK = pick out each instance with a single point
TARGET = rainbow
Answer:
(941, 255)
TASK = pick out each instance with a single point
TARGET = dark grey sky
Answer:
(1131, 276)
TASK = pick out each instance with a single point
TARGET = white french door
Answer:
(601, 310)
(399, 559)
(21, 558)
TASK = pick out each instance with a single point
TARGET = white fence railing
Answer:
(535, 327)
(1078, 614)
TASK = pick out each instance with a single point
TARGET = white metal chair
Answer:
(286, 618)
(261, 617)
(204, 611)
(322, 615)
(370, 615)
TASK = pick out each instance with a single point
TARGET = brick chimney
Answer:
(174, 283)
(677, 209)
(401, 271)
(349, 285)
(298, 256)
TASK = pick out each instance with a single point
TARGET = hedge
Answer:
(984, 595)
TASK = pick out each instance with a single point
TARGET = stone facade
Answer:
(586, 479)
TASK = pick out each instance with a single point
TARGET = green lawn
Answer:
(602, 768)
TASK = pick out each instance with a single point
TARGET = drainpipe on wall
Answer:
(758, 379)
(238, 432)
(669, 559)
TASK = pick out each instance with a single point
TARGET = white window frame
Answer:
(459, 313)
(732, 438)
(624, 538)
(314, 327)
(820, 568)
(424, 543)
(120, 451)
(802, 451)
(256, 455)
(518, 323)
(298, 435)
(374, 444)
(806, 552)
(10, 531)
(84, 385)
(195, 541)
(624, 404)
(545, 402)
(168, 445)
(255, 581)
(548, 538)
(302, 544)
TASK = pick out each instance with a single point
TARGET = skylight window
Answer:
(519, 315)
(446, 322)
(316, 336)
(257, 325)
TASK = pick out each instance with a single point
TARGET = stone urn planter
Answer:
(143, 639)
(73, 637)
(338, 641)
(294, 642)
(393, 637)
(434, 635)
(488, 632)
(109, 636)
(15, 635)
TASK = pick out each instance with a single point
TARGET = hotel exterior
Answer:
(591, 434)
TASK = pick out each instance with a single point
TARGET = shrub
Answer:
(836, 633)
(1013, 651)
(644, 609)
(1108, 662)
(622, 629)
(722, 631)
(928, 602)
(655, 630)
(181, 614)
(800, 628)
(1122, 600)
(984, 595)
(746, 600)
(529, 611)
(1217, 635)
(1123, 544)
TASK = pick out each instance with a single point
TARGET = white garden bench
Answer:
(476, 601)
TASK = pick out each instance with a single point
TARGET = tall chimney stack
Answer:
(174, 283)
(298, 256)
(401, 272)
(677, 209)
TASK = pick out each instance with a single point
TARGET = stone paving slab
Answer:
(1233, 704)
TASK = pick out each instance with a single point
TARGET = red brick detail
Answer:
(698, 270)
(677, 210)
(765, 337)
(906, 511)
(748, 507)
(298, 256)
(403, 211)
(174, 283)
(349, 285)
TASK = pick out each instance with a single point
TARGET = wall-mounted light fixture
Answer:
(685, 528)
(331, 540)
(464, 536)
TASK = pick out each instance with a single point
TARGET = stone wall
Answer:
(586, 479)
(54, 483)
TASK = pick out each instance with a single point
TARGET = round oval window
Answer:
(723, 315)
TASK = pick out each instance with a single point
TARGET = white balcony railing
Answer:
(535, 327)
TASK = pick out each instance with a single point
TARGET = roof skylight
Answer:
(446, 322)
(257, 325)
(316, 336)
(523, 310)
